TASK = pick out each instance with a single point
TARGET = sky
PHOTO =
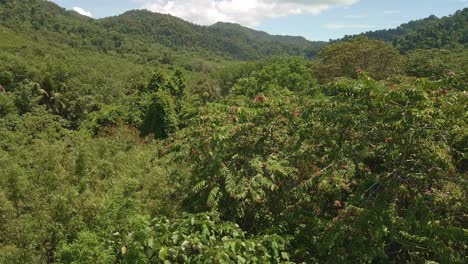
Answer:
(312, 19)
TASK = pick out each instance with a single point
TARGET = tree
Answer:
(49, 96)
(7, 104)
(349, 58)
(160, 117)
(157, 81)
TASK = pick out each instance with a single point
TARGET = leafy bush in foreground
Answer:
(201, 238)
(359, 174)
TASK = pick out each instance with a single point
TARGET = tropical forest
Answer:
(145, 138)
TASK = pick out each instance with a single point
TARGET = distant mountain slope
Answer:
(260, 35)
(48, 25)
(47, 20)
(226, 38)
(432, 32)
(144, 32)
(128, 31)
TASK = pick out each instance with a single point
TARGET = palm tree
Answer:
(48, 96)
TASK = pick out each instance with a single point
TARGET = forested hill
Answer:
(141, 30)
(431, 32)
(224, 38)
(49, 22)
(144, 28)
(260, 35)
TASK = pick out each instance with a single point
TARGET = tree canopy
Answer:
(122, 147)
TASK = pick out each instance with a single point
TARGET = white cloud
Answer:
(82, 11)
(245, 12)
(347, 26)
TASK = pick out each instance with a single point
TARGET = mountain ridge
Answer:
(143, 29)
(223, 37)
(137, 26)
(431, 32)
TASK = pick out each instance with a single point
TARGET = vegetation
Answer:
(432, 32)
(151, 151)
(222, 38)
(349, 59)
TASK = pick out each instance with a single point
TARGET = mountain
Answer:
(50, 22)
(431, 32)
(261, 35)
(223, 38)
(144, 30)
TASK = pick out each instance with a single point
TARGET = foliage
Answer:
(153, 108)
(350, 58)
(62, 191)
(7, 105)
(117, 149)
(366, 164)
(201, 238)
(138, 31)
(428, 33)
(449, 67)
(447, 32)
(161, 119)
(88, 248)
(221, 38)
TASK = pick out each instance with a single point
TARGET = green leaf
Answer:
(163, 253)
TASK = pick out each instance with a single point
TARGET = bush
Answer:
(161, 117)
(200, 238)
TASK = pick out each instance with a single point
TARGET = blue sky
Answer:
(313, 19)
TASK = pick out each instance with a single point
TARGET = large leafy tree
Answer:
(350, 58)
(362, 161)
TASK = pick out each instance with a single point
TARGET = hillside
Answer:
(431, 32)
(222, 38)
(260, 35)
(139, 30)
(48, 21)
